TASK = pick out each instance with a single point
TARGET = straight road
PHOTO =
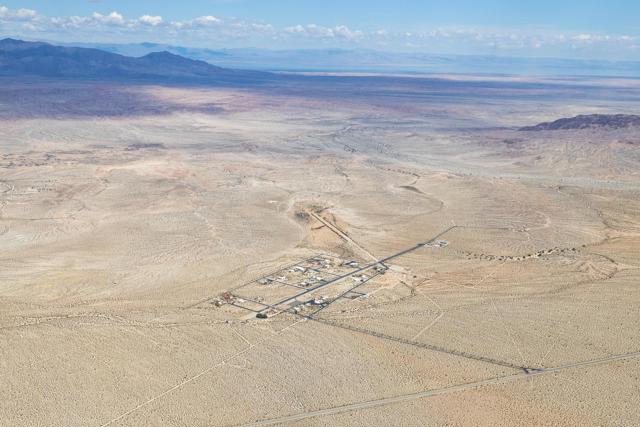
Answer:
(344, 236)
(430, 393)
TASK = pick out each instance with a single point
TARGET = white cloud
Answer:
(267, 28)
(77, 20)
(297, 29)
(346, 33)
(114, 18)
(206, 20)
(318, 31)
(150, 20)
(25, 14)
(20, 15)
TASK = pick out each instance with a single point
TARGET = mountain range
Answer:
(22, 58)
(369, 60)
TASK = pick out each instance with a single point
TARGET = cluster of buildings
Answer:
(311, 275)
(437, 244)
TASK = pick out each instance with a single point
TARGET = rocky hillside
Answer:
(591, 121)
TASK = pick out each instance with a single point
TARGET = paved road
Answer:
(344, 236)
(430, 393)
(381, 262)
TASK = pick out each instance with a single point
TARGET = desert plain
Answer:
(144, 227)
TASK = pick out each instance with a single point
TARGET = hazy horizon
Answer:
(369, 60)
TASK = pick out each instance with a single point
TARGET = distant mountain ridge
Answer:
(369, 60)
(21, 58)
(589, 121)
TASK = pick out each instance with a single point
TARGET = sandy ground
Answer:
(117, 229)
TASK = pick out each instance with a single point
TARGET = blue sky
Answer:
(569, 28)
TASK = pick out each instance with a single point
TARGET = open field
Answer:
(513, 299)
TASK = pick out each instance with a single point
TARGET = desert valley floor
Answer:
(142, 228)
